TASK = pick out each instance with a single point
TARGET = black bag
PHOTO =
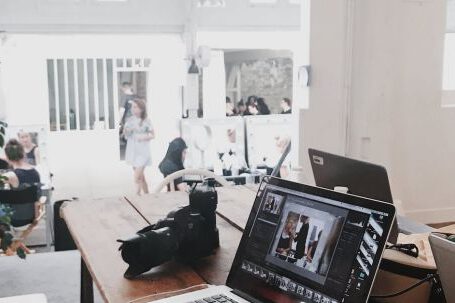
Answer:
(63, 239)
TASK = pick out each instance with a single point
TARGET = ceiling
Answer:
(118, 16)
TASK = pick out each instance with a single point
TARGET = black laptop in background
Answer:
(360, 178)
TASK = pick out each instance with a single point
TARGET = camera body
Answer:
(186, 234)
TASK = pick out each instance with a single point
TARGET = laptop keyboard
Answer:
(215, 299)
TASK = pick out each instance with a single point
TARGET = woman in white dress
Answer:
(138, 132)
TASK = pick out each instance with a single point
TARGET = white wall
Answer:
(398, 78)
(395, 112)
(86, 163)
(324, 120)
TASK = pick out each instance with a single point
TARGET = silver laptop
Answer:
(304, 244)
(444, 255)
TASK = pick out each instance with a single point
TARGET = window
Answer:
(448, 84)
(83, 92)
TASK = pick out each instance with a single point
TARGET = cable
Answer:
(409, 249)
(428, 278)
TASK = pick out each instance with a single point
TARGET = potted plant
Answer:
(7, 243)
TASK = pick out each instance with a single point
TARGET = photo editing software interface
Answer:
(305, 248)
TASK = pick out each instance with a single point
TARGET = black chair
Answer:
(28, 208)
(3, 164)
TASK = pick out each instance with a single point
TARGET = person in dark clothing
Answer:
(128, 97)
(286, 106)
(301, 237)
(23, 172)
(173, 161)
(262, 106)
(126, 102)
(250, 102)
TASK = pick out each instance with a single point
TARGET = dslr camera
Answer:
(186, 234)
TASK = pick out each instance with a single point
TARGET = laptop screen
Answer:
(307, 244)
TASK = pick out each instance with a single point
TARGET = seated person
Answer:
(173, 162)
(230, 108)
(31, 149)
(262, 106)
(286, 106)
(23, 173)
(232, 157)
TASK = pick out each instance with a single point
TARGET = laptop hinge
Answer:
(245, 296)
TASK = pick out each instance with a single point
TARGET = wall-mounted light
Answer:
(193, 67)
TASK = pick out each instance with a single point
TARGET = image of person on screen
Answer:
(285, 241)
(270, 204)
(301, 237)
(312, 247)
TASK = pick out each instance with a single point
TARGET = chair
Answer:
(200, 172)
(28, 210)
(3, 164)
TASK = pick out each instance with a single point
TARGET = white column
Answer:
(214, 87)
(191, 94)
(300, 96)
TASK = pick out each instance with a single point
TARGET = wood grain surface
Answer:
(95, 226)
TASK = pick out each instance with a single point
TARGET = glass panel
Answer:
(110, 92)
(119, 62)
(100, 72)
(81, 90)
(51, 90)
(61, 93)
(71, 94)
(91, 94)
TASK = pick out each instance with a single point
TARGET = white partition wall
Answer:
(85, 161)
(263, 134)
(207, 139)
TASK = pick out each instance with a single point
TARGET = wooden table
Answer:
(96, 225)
